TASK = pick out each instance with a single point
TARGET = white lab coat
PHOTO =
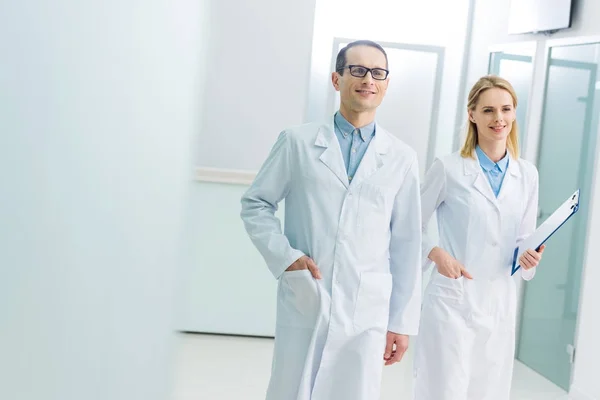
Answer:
(365, 236)
(465, 348)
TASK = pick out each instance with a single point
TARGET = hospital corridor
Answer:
(299, 200)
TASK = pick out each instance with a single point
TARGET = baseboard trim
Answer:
(224, 175)
(226, 334)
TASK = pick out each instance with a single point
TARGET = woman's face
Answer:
(493, 115)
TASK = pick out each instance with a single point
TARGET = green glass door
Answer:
(566, 150)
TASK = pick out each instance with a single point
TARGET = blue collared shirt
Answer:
(353, 142)
(495, 172)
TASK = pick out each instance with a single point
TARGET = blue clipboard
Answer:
(547, 229)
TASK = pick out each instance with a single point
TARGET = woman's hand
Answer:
(448, 265)
(531, 258)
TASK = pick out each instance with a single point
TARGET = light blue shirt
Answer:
(353, 142)
(495, 172)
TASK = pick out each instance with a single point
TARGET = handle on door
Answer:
(571, 353)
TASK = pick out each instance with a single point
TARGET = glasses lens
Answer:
(379, 73)
(358, 71)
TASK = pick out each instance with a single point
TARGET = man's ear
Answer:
(335, 80)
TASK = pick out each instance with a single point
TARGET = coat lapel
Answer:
(332, 156)
(373, 158)
(510, 179)
(480, 182)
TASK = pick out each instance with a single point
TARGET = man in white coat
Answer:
(348, 260)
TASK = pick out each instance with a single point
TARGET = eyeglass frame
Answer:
(369, 70)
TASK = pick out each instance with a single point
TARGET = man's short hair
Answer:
(340, 62)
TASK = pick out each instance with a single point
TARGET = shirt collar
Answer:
(488, 164)
(347, 128)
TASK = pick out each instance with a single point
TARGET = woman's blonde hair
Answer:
(471, 140)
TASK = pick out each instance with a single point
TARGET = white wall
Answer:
(257, 78)
(262, 48)
(226, 287)
(490, 27)
(98, 107)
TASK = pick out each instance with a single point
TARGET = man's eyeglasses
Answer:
(359, 71)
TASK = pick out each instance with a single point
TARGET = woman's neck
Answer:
(495, 150)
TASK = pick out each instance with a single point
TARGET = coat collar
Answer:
(333, 159)
(471, 166)
(487, 164)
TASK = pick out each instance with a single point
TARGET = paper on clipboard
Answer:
(547, 229)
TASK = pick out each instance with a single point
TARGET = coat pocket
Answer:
(298, 299)
(373, 301)
(448, 288)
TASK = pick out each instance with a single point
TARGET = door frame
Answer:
(536, 117)
(439, 52)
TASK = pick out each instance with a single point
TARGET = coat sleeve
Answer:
(528, 224)
(433, 192)
(261, 201)
(405, 255)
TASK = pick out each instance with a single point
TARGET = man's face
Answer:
(364, 94)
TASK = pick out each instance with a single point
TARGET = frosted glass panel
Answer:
(566, 159)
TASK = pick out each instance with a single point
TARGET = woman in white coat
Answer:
(486, 200)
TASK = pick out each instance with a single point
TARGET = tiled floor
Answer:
(226, 368)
